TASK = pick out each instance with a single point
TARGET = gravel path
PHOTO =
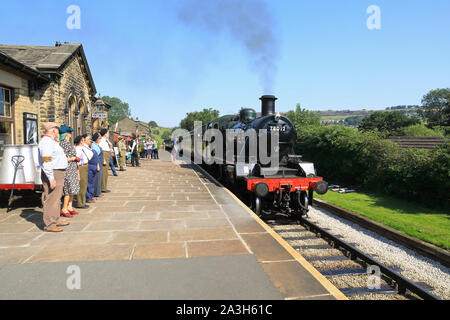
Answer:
(413, 266)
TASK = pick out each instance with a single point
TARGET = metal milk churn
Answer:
(29, 165)
(7, 167)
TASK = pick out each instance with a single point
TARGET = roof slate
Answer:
(40, 57)
(45, 59)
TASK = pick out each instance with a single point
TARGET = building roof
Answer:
(128, 125)
(43, 60)
(7, 60)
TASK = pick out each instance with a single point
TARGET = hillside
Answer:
(352, 117)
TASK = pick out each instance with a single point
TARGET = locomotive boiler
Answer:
(272, 177)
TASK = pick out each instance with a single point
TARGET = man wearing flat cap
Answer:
(53, 162)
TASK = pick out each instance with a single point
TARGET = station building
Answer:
(46, 83)
(131, 127)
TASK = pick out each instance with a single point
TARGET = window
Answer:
(5, 102)
(5, 132)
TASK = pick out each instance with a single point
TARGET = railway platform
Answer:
(165, 231)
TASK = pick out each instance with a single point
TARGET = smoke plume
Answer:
(249, 22)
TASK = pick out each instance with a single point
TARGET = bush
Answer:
(366, 160)
(302, 117)
(442, 131)
(420, 130)
(387, 122)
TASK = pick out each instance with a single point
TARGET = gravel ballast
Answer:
(412, 265)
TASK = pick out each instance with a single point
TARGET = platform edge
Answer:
(335, 292)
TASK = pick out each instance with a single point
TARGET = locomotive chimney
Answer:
(267, 105)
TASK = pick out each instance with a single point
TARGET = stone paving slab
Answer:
(158, 211)
(150, 279)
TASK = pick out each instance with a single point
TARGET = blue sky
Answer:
(141, 52)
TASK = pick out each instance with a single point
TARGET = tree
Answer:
(152, 124)
(205, 116)
(387, 122)
(302, 117)
(353, 121)
(166, 135)
(119, 110)
(436, 107)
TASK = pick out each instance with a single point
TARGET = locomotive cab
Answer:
(247, 115)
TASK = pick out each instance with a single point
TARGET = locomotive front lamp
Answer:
(262, 189)
(321, 187)
(277, 117)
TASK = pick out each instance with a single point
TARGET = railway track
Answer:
(358, 275)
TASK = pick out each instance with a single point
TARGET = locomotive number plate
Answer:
(277, 128)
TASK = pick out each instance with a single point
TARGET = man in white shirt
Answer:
(84, 154)
(111, 159)
(147, 149)
(53, 162)
(155, 149)
(134, 153)
(104, 145)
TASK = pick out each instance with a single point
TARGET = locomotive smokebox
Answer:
(267, 105)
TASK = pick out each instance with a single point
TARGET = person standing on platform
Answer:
(147, 148)
(155, 150)
(122, 153)
(111, 159)
(98, 180)
(71, 178)
(150, 147)
(93, 168)
(134, 153)
(141, 148)
(83, 169)
(53, 162)
(174, 151)
(104, 145)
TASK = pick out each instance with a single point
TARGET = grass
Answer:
(429, 225)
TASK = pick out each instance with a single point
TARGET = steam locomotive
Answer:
(287, 187)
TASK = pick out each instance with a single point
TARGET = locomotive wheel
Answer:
(258, 206)
(302, 202)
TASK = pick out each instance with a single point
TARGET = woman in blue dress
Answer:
(93, 168)
(98, 179)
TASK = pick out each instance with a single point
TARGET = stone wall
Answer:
(22, 104)
(63, 101)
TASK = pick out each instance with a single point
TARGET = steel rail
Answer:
(403, 283)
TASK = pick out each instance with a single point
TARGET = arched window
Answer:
(81, 125)
(75, 112)
(69, 111)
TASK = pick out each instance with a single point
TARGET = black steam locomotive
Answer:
(285, 185)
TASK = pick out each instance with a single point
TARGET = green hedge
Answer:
(363, 159)
(420, 130)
